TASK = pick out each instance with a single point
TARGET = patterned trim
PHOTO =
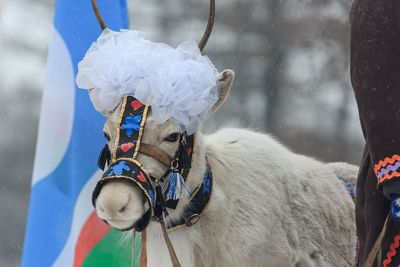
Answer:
(388, 168)
(117, 137)
(140, 165)
(395, 207)
(343, 178)
(142, 123)
(392, 252)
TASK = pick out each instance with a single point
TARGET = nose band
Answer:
(124, 165)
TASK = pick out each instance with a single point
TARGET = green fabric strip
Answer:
(111, 252)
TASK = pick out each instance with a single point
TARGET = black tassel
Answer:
(104, 157)
(159, 208)
(184, 156)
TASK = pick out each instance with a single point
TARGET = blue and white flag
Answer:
(62, 228)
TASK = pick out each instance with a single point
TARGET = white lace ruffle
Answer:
(177, 83)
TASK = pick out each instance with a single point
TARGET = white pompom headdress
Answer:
(178, 83)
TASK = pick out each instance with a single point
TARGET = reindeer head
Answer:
(148, 137)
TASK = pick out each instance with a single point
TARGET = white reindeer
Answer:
(269, 206)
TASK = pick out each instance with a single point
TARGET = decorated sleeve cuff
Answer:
(387, 169)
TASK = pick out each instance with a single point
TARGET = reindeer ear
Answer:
(226, 80)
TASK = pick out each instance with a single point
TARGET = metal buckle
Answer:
(192, 220)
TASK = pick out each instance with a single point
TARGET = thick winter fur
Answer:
(272, 207)
(269, 206)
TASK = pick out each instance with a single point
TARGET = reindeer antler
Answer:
(210, 25)
(98, 15)
(204, 39)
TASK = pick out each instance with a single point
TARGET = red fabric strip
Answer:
(92, 232)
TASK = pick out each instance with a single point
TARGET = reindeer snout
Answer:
(112, 206)
(120, 204)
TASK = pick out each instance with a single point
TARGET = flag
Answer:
(62, 228)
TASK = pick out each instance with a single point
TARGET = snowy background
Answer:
(290, 57)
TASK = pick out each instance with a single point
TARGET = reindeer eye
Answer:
(172, 137)
(106, 136)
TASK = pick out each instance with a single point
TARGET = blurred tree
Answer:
(290, 55)
(273, 78)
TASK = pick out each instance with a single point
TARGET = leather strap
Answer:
(172, 253)
(155, 153)
(377, 246)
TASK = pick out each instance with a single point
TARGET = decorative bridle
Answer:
(123, 164)
(161, 192)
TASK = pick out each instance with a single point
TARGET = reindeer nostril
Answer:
(122, 209)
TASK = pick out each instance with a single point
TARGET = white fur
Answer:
(269, 206)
